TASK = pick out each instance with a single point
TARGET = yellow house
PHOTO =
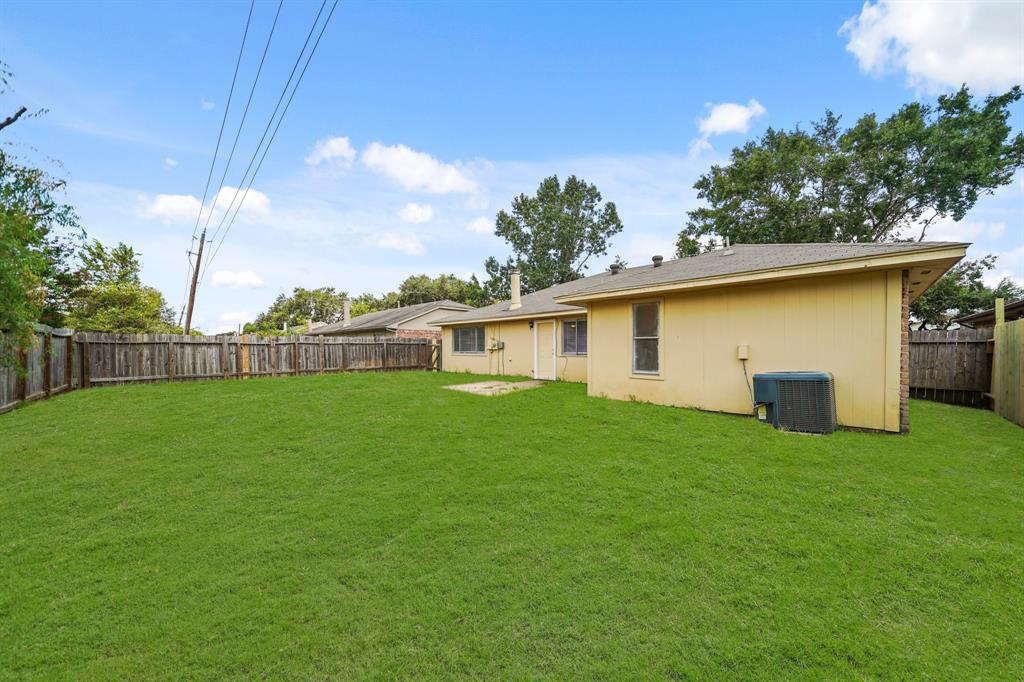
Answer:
(691, 332)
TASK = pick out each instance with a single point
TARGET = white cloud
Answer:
(1008, 264)
(416, 213)
(729, 117)
(408, 244)
(170, 208)
(170, 163)
(949, 230)
(940, 44)
(256, 204)
(206, 104)
(236, 280)
(416, 171)
(335, 150)
(481, 225)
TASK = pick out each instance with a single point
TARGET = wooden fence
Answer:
(61, 360)
(951, 366)
(1008, 370)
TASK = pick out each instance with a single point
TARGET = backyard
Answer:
(375, 525)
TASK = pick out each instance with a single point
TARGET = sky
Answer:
(415, 123)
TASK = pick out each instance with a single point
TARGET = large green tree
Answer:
(876, 181)
(423, 289)
(109, 295)
(962, 291)
(38, 236)
(304, 305)
(552, 234)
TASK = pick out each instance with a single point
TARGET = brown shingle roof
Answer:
(386, 319)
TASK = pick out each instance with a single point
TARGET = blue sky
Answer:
(417, 122)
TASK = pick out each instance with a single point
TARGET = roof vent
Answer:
(728, 250)
(615, 267)
(657, 261)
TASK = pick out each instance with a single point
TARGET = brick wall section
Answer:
(905, 356)
(418, 334)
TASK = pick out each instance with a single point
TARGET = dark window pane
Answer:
(569, 337)
(645, 319)
(645, 355)
(581, 337)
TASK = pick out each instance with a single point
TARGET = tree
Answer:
(423, 289)
(872, 182)
(109, 295)
(38, 235)
(552, 234)
(962, 291)
(304, 305)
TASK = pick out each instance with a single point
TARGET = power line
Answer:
(270, 122)
(273, 135)
(245, 113)
(220, 134)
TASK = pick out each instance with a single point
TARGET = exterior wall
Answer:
(516, 359)
(419, 334)
(905, 355)
(425, 321)
(849, 325)
(361, 334)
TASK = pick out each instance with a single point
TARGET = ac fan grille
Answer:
(807, 406)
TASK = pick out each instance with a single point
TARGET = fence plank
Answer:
(950, 365)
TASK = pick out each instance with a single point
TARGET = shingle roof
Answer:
(748, 258)
(1012, 311)
(538, 303)
(391, 317)
(743, 258)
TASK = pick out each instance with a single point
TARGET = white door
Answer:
(544, 350)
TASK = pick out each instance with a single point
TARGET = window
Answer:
(468, 339)
(574, 337)
(646, 332)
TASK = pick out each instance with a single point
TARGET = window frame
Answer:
(645, 373)
(456, 345)
(575, 353)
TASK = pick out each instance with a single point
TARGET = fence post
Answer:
(48, 363)
(225, 359)
(238, 357)
(295, 356)
(320, 352)
(69, 371)
(21, 378)
(384, 354)
(86, 356)
(273, 356)
(341, 348)
(171, 361)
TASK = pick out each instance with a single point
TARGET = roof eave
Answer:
(953, 253)
(511, 318)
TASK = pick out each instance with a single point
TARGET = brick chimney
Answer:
(513, 277)
(346, 313)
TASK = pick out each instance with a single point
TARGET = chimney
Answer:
(657, 261)
(346, 313)
(513, 277)
(615, 267)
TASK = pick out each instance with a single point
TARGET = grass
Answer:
(377, 526)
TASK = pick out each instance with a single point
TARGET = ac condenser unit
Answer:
(797, 401)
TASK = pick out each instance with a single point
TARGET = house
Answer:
(674, 332)
(986, 319)
(411, 321)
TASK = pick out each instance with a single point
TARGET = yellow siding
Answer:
(846, 325)
(516, 359)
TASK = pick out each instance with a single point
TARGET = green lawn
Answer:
(376, 525)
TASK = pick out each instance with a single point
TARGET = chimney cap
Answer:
(657, 260)
(615, 267)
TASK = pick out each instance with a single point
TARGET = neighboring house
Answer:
(412, 321)
(672, 332)
(986, 319)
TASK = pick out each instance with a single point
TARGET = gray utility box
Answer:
(797, 401)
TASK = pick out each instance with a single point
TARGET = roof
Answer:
(390, 318)
(742, 259)
(1013, 311)
(539, 303)
(738, 259)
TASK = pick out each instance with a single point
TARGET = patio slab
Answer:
(495, 387)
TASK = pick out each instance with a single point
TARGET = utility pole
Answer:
(195, 281)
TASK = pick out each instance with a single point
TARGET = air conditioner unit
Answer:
(797, 401)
